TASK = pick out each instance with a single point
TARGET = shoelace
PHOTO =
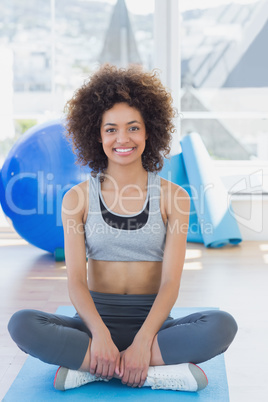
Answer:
(83, 378)
(169, 383)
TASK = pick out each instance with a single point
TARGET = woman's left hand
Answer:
(134, 364)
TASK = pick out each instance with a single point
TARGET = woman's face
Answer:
(123, 134)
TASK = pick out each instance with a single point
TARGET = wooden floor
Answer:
(234, 279)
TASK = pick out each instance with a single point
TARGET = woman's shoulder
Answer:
(76, 199)
(77, 190)
(170, 188)
(175, 198)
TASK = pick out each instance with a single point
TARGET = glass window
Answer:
(224, 76)
(48, 48)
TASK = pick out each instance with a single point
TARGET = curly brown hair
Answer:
(109, 85)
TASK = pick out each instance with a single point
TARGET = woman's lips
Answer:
(124, 151)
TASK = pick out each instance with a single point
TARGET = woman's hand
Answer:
(104, 356)
(134, 364)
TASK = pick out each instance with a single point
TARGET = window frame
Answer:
(167, 57)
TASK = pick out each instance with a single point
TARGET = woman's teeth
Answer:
(123, 149)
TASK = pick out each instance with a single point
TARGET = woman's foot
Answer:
(177, 377)
(68, 379)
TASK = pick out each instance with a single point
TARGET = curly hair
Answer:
(106, 87)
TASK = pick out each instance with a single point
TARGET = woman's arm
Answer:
(177, 210)
(177, 206)
(104, 356)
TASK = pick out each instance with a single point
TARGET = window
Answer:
(212, 56)
(224, 78)
(48, 48)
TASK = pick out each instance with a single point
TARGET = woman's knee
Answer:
(225, 325)
(22, 325)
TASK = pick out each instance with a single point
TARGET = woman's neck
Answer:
(126, 175)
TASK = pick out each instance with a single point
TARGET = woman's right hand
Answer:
(104, 356)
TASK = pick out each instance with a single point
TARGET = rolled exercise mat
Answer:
(34, 382)
(210, 197)
(174, 171)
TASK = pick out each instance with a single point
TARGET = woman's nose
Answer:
(122, 136)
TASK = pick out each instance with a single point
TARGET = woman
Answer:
(132, 227)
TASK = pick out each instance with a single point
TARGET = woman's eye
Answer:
(134, 128)
(110, 130)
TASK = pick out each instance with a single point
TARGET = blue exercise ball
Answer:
(39, 169)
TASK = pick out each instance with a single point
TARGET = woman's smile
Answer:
(124, 151)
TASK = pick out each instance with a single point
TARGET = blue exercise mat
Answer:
(212, 219)
(174, 171)
(34, 382)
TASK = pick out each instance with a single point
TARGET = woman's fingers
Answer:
(104, 358)
(137, 379)
(98, 372)
(143, 378)
(122, 368)
(117, 366)
(111, 371)
(93, 365)
(132, 378)
(125, 377)
(105, 370)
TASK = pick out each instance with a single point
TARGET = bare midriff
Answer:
(124, 277)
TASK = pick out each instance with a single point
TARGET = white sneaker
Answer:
(178, 377)
(68, 379)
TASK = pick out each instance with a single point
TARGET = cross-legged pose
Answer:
(131, 227)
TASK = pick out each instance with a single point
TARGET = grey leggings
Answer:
(63, 340)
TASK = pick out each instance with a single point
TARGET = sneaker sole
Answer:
(199, 376)
(60, 378)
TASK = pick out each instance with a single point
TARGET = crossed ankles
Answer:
(177, 377)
